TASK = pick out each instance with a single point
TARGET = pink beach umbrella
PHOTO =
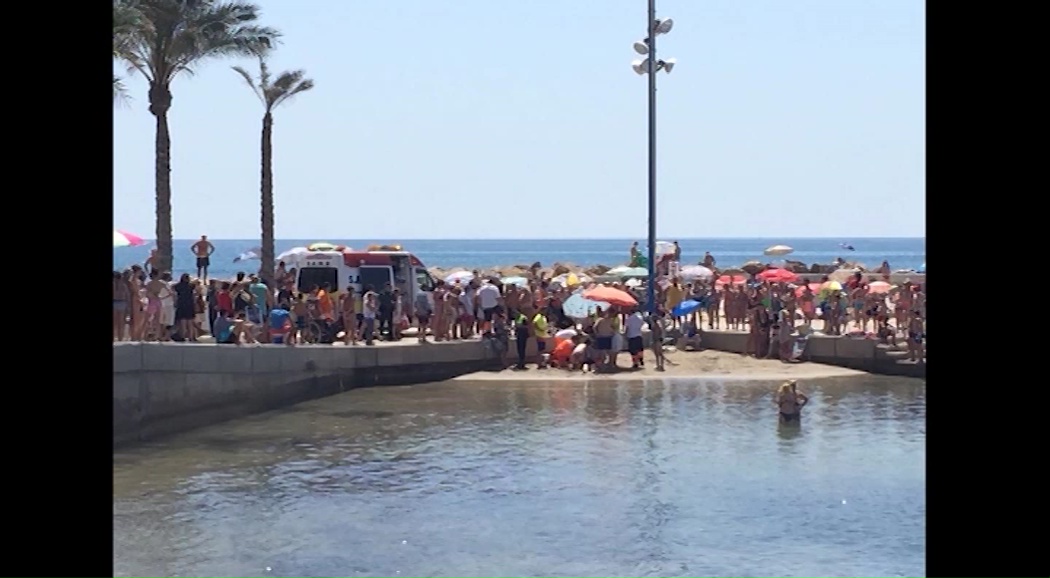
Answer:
(879, 287)
(125, 239)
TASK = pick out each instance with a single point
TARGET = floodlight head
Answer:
(668, 64)
(663, 25)
(639, 66)
(642, 47)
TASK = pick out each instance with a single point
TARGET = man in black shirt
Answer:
(386, 312)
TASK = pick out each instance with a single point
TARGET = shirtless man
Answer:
(202, 250)
(348, 308)
(151, 261)
(709, 260)
(902, 306)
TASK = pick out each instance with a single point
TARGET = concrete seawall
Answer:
(862, 354)
(161, 388)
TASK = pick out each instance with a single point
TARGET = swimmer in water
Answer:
(790, 402)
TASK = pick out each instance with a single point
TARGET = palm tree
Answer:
(173, 36)
(272, 92)
(125, 18)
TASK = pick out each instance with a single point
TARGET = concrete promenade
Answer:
(164, 388)
(841, 351)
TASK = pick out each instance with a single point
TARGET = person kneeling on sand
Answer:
(231, 331)
(583, 354)
(280, 326)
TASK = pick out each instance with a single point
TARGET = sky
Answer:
(484, 119)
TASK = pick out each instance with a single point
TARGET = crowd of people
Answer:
(775, 314)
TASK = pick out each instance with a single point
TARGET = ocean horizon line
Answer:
(640, 239)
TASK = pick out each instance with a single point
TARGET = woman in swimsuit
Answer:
(790, 402)
(153, 305)
(916, 334)
(121, 302)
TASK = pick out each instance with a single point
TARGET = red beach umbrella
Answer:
(778, 276)
(610, 295)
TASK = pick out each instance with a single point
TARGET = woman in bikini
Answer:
(121, 302)
(916, 335)
(154, 290)
(790, 402)
(807, 304)
(902, 302)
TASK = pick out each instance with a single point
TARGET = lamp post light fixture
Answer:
(651, 65)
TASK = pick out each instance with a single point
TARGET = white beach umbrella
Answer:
(292, 254)
(461, 277)
(778, 251)
(695, 272)
(664, 248)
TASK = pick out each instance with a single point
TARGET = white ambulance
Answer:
(344, 268)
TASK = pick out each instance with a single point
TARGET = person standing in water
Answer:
(202, 250)
(790, 401)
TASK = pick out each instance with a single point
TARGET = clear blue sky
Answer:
(469, 118)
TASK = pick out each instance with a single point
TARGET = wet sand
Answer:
(693, 364)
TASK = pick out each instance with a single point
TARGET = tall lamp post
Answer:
(651, 66)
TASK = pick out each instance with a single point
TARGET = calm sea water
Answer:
(902, 253)
(661, 478)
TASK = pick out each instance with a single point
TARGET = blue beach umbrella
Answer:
(685, 308)
(578, 308)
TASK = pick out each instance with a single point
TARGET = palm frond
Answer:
(171, 36)
(272, 91)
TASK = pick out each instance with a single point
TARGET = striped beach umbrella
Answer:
(125, 239)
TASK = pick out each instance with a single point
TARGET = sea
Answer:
(901, 253)
(667, 477)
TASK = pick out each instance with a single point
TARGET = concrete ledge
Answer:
(163, 388)
(841, 351)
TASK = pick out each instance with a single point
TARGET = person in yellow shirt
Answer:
(673, 296)
(539, 329)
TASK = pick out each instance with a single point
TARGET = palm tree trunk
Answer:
(160, 103)
(266, 185)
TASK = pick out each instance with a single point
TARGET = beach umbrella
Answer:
(634, 283)
(460, 277)
(125, 239)
(922, 268)
(879, 287)
(631, 272)
(253, 253)
(778, 276)
(734, 279)
(610, 295)
(828, 288)
(292, 254)
(778, 251)
(664, 248)
(325, 246)
(695, 272)
(571, 279)
(516, 280)
(685, 308)
(579, 308)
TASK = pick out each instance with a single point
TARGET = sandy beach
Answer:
(680, 364)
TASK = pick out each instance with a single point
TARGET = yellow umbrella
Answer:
(572, 280)
(829, 287)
